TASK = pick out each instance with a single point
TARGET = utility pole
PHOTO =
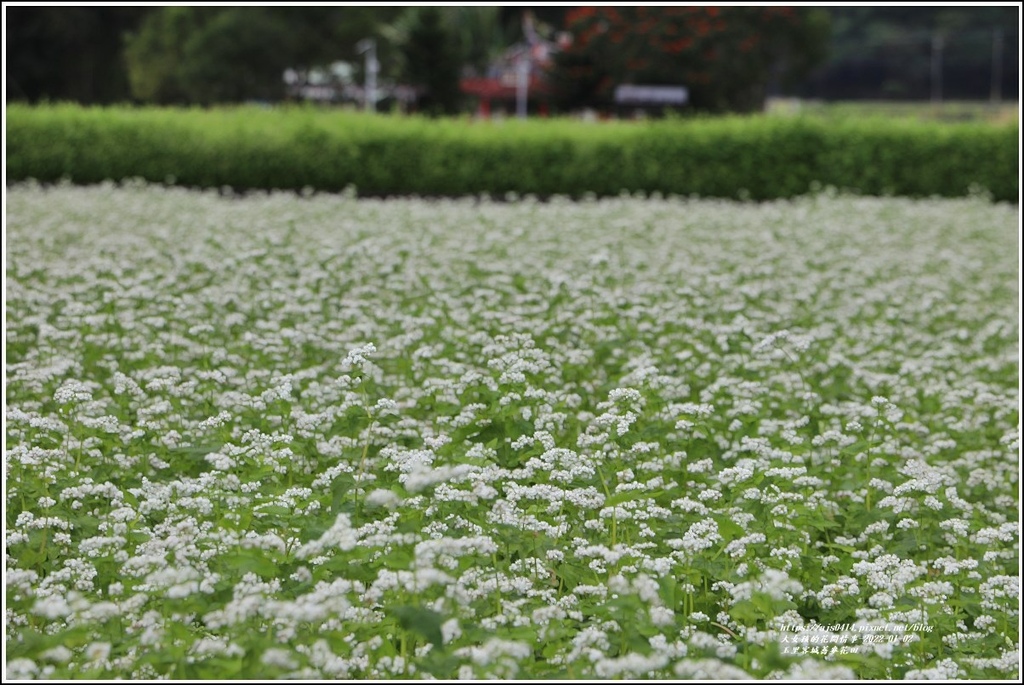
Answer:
(369, 47)
(997, 65)
(522, 83)
(523, 65)
(936, 66)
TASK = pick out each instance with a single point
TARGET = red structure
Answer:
(501, 85)
(500, 91)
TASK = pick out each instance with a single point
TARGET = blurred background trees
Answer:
(68, 53)
(431, 57)
(725, 56)
(729, 58)
(888, 52)
(207, 55)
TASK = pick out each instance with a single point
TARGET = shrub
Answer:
(296, 147)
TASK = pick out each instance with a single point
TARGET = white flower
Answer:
(97, 651)
(341, 536)
(21, 669)
(72, 392)
(383, 498)
(699, 536)
(661, 616)
(59, 654)
(812, 670)
(709, 669)
(450, 630)
(630, 665)
(357, 356)
(280, 658)
(52, 607)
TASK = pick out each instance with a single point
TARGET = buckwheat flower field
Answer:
(328, 437)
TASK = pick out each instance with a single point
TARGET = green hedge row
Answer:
(292, 148)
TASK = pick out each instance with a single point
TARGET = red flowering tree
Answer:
(725, 56)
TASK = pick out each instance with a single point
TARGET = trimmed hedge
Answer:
(298, 147)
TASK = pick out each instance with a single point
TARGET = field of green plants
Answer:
(327, 437)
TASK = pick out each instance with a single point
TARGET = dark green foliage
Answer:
(432, 63)
(885, 51)
(68, 53)
(233, 58)
(155, 54)
(207, 55)
(292, 148)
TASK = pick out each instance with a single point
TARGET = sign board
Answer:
(651, 95)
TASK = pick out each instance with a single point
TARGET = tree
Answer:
(432, 62)
(68, 53)
(477, 33)
(887, 51)
(725, 56)
(155, 55)
(210, 54)
(238, 55)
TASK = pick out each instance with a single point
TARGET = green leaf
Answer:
(30, 558)
(220, 669)
(440, 665)
(630, 495)
(669, 591)
(273, 510)
(819, 522)
(199, 451)
(847, 549)
(424, 622)
(745, 612)
(526, 633)
(570, 575)
(340, 487)
(728, 529)
(249, 561)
